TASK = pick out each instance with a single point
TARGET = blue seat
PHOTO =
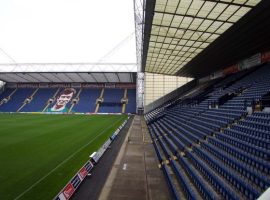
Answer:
(248, 172)
(257, 151)
(251, 160)
(190, 194)
(170, 182)
(215, 181)
(242, 186)
(200, 184)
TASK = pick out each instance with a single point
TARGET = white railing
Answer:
(2, 86)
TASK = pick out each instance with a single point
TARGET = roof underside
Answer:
(68, 77)
(69, 67)
(179, 30)
(247, 37)
(69, 72)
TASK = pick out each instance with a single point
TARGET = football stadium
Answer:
(187, 118)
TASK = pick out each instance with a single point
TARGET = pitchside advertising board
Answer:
(97, 155)
(75, 182)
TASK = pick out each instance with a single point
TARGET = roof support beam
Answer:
(188, 29)
(229, 3)
(10, 77)
(67, 74)
(188, 33)
(195, 17)
(118, 77)
(68, 78)
(23, 77)
(176, 44)
(131, 78)
(57, 78)
(93, 77)
(41, 74)
(149, 15)
(234, 45)
(81, 77)
(107, 80)
(32, 77)
(178, 38)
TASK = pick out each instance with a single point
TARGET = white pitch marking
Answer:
(64, 161)
(125, 166)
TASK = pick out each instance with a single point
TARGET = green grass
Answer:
(39, 154)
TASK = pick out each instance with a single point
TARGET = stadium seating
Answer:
(16, 100)
(87, 100)
(131, 106)
(213, 136)
(6, 93)
(39, 100)
(111, 101)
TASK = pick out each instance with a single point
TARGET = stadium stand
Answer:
(84, 101)
(87, 100)
(201, 92)
(16, 100)
(111, 101)
(6, 95)
(39, 100)
(131, 105)
(211, 134)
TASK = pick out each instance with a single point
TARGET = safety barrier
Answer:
(76, 180)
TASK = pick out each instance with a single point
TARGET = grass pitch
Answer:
(39, 154)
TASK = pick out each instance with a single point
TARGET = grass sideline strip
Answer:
(31, 146)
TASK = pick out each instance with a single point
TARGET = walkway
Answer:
(135, 173)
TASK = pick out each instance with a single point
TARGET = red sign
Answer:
(125, 85)
(68, 191)
(59, 85)
(27, 85)
(265, 57)
(92, 85)
(109, 85)
(231, 69)
(83, 173)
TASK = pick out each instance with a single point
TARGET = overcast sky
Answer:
(69, 31)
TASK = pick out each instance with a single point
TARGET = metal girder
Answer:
(69, 67)
(198, 21)
(192, 16)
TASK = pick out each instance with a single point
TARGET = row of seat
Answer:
(212, 177)
(232, 177)
(248, 138)
(178, 169)
(254, 176)
(222, 150)
(251, 160)
(86, 103)
(254, 150)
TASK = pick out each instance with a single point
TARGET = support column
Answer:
(98, 100)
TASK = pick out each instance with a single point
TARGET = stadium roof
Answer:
(69, 67)
(176, 31)
(70, 72)
(68, 77)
